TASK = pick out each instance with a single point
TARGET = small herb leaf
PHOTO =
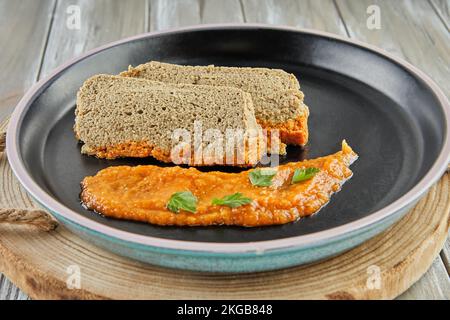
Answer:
(233, 200)
(304, 174)
(184, 200)
(261, 178)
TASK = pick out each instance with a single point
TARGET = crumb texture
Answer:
(276, 94)
(121, 116)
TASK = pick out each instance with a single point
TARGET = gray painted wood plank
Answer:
(411, 30)
(172, 14)
(425, 288)
(9, 291)
(445, 254)
(20, 60)
(219, 11)
(101, 21)
(22, 47)
(316, 14)
(443, 9)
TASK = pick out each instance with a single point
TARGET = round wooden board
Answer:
(43, 263)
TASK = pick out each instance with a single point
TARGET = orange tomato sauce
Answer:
(141, 193)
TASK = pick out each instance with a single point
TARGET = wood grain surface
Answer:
(410, 30)
(23, 45)
(219, 11)
(38, 41)
(399, 256)
(102, 21)
(442, 8)
(171, 14)
(316, 14)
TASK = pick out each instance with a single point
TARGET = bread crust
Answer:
(143, 149)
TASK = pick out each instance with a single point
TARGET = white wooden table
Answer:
(36, 36)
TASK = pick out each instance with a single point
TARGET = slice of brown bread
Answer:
(276, 94)
(129, 117)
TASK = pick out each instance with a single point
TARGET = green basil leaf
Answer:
(183, 200)
(304, 174)
(261, 178)
(233, 201)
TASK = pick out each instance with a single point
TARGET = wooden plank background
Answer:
(36, 40)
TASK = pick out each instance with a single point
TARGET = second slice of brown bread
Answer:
(129, 117)
(276, 94)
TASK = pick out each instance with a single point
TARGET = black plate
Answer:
(390, 118)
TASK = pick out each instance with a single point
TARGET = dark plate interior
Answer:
(387, 115)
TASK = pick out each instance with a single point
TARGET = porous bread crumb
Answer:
(276, 94)
(119, 116)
